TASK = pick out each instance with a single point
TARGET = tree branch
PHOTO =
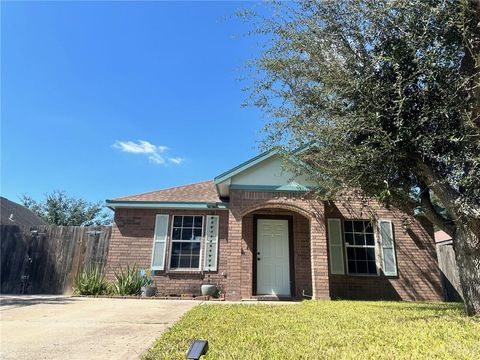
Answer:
(432, 214)
(433, 181)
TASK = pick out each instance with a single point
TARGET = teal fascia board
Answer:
(166, 205)
(271, 188)
(247, 164)
(257, 159)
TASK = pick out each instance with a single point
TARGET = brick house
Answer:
(258, 230)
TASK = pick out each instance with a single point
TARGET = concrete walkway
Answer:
(59, 327)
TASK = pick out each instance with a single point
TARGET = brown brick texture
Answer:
(132, 243)
(418, 274)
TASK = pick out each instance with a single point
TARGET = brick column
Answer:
(234, 255)
(319, 258)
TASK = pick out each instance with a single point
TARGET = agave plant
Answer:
(90, 281)
(128, 281)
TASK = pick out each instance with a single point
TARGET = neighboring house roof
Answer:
(16, 214)
(441, 236)
(199, 195)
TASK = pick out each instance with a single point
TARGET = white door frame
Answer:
(290, 250)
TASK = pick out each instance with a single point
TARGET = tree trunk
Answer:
(467, 253)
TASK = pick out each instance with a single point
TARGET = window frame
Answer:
(374, 246)
(200, 254)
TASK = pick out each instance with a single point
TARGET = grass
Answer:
(325, 330)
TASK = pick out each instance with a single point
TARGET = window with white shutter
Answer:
(211, 243)
(159, 242)
(335, 245)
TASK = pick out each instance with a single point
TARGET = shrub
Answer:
(90, 281)
(128, 281)
(218, 291)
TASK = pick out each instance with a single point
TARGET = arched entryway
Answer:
(309, 257)
(276, 254)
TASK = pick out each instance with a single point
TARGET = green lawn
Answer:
(327, 329)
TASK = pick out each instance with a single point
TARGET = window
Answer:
(186, 240)
(360, 246)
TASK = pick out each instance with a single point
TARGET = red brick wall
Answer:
(132, 242)
(418, 274)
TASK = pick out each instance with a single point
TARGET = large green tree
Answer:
(60, 209)
(389, 93)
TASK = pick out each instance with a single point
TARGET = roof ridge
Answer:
(170, 188)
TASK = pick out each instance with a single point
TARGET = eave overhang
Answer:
(117, 204)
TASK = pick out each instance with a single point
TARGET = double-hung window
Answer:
(187, 232)
(360, 247)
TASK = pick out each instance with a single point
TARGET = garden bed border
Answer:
(182, 297)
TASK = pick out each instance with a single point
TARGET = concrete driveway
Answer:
(46, 327)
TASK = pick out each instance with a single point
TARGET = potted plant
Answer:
(208, 289)
(148, 290)
(219, 294)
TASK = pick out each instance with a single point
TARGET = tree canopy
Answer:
(60, 209)
(388, 91)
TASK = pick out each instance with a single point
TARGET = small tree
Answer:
(389, 91)
(59, 209)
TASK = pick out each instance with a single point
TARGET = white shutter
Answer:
(388, 247)
(335, 245)
(211, 243)
(159, 242)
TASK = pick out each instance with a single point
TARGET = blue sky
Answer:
(109, 99)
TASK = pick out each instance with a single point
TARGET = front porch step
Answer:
(270, 298)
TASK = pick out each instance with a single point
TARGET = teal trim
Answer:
(166, 205)
(271, 188)
(244, 166)
(253, 161)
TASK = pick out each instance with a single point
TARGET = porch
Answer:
(283, 253)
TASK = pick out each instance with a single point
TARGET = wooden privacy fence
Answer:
(45, 260)
(449, 270)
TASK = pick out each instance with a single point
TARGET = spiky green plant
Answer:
(90, 281)
(128, 281)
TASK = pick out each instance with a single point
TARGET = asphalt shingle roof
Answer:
(16, 214)
(205, 191)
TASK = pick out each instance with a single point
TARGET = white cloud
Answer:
(153, 152)
(176, 160)
(157, 158)
(143, 147)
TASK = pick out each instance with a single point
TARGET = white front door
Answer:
(273, 263)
